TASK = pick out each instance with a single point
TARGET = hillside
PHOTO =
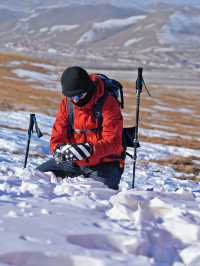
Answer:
(105, 35)
(169, 117)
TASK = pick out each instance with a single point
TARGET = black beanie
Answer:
(75, 81)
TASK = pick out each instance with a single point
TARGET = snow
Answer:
(52, 51)
(168, 109)
(132, 41)
(17, 63)
(181, 25)
(100, 30)
(32, 15)
(45, 29)
(77, 221)
(48, 80)
(45, 66)
(33, 75)
(158, 133)
(63, 27)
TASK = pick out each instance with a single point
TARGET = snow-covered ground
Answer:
(48, 80)
(79, 221)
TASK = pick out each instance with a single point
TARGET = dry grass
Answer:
(187, 165)
(17, 94)
(179, 110)
(178, 141)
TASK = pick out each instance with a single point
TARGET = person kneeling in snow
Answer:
(78, 145)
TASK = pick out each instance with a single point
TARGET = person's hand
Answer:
(58, 154)
(73, 152)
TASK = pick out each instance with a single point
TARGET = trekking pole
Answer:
(32, 122)
(139, 83)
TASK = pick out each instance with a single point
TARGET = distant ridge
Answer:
(166, 35)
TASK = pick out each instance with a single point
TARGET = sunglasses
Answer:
(77, 98)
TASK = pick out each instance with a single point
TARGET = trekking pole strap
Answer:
(38, 131)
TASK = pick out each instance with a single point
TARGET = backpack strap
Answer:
(97, 115)
(70, 124)
(97, 111)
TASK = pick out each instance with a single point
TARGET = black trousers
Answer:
(109, 173)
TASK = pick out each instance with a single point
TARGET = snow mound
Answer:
(163, 224)
(46, 221)
(95, 224)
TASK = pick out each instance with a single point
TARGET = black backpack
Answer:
(114, 88)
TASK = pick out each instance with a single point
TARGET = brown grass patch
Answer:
(178, 109)
(9, 57)
(184, 165)
(179, 142)
(17, 94)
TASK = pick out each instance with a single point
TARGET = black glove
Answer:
(73, 152)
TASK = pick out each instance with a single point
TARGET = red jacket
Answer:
(106, 146)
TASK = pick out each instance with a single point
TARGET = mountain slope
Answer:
(106, 35)
(145, 4)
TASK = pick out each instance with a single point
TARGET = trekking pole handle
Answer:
(31, 124)
(139, 81)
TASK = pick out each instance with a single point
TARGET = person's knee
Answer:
(112, 179)
(113, 182)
